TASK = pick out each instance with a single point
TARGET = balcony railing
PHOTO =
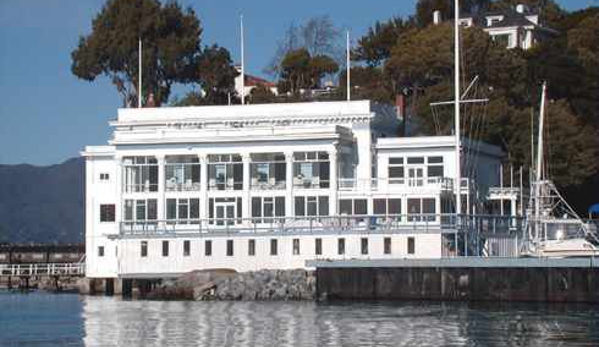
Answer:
(173, 186)
(400, 223)
(229, 184)
(310, 183)
(271, 184)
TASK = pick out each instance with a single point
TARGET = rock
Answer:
(83, 285)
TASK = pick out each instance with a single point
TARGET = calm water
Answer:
(39, 319)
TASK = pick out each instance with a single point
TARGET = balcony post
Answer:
(246, 203)
(160, 205)
(289, 184)
(203, 186)
(333, 182)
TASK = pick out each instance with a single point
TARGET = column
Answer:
(161, 213)
(119, 188)
(289, 184)
(513, 213)
(203, 186)
(246, 203)
(333, 182)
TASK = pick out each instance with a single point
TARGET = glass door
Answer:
(415, 176)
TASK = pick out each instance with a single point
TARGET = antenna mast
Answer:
(456, 63)
(242, 64)
(139, 92)
(348, 68)
(539, 167)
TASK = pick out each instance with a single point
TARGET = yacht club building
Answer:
(270, 186)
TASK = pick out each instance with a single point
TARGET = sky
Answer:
(47, 115)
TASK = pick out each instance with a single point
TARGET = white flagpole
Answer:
(139, 92)
(348, 67)
(242, 64)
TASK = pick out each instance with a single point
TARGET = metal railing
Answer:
(43, 269)
(400, 223)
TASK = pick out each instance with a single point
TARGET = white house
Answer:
(271, 186)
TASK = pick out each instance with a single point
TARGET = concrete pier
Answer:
(475, 279)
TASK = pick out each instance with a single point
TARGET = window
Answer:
(268, 171)
(183, 210)
(224, 210)
(273, 247)
(251, 247)
(100, 251)
(311, 170)
(225, 172)
(104, 177)
(186, 248)
(435, 167)
(341, 246)
(421, 209)
(208, 248)
(107, 213)
(144, 248)
(311, 206)
(296, 246)
(318, 246)
(182, 173)
(165, 248)
(353, 207)
(386, 206)
(267, 207)
(140, 210)
(364, 245)
(416, 160)
(396, 171)
(387, 245)
(411, 245)
(140, 174)
(229, 248)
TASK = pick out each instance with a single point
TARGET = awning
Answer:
(594, 209)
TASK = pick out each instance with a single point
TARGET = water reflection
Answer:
(111, 322)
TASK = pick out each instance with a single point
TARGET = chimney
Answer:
(400, 110)
(437, 17)
(521, 8)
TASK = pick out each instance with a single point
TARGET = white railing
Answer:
(43, 269)
(442, 183)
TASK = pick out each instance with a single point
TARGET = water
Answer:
(39, 319)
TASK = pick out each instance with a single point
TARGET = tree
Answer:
(171, 47)
(261, 94)
(216, 75)
(299, 70)
(375, 47)
(318, 36)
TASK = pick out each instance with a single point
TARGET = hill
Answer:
(42, 203)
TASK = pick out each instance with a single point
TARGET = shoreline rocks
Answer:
(226, 284)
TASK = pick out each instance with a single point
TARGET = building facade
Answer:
(270, 186)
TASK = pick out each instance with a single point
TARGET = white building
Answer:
(271, 186)
(519, 27)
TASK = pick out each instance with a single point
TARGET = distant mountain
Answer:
(42, 203)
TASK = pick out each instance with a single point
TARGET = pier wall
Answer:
(541, 284)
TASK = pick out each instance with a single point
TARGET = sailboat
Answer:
(553, 229)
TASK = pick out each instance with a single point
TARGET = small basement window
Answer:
(411, 245)
(107, 213)
(144, 248)
(100, 251)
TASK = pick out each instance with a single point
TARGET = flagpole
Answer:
(348, 68)
(242, 63)
(139, 91)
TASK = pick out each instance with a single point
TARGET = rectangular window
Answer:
(299, 206)
(318, 246)
(387, 245)
(273, 247)
(364, 245)
(435, 167)
(267, 207)
(345, 206)
(428, 208)
(144, 248)
(268, 171)
(411, 245)
(229, 248)
(379, 206)
(182, 173)
(100, 251)
(311, 170)
(208, 248)
(104, 177)
(341, 246)
(140, 174)
(141, 210)
(186, 248)
(183, 211)
(311, 206)
(414, 210)
(251, 247)
(225, 172)
(396, 171)
(296, 246)
(416, 160)
(165, 248)
(360, 207)
(107, 213)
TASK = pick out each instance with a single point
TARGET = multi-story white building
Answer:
(271, 186)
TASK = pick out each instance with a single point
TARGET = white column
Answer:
(119, 188)
(333, 182)
(246, 203)
(161, 185)
(203, 186)
(289, 184)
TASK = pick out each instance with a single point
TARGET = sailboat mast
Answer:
(539, 167)
(456, 64)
